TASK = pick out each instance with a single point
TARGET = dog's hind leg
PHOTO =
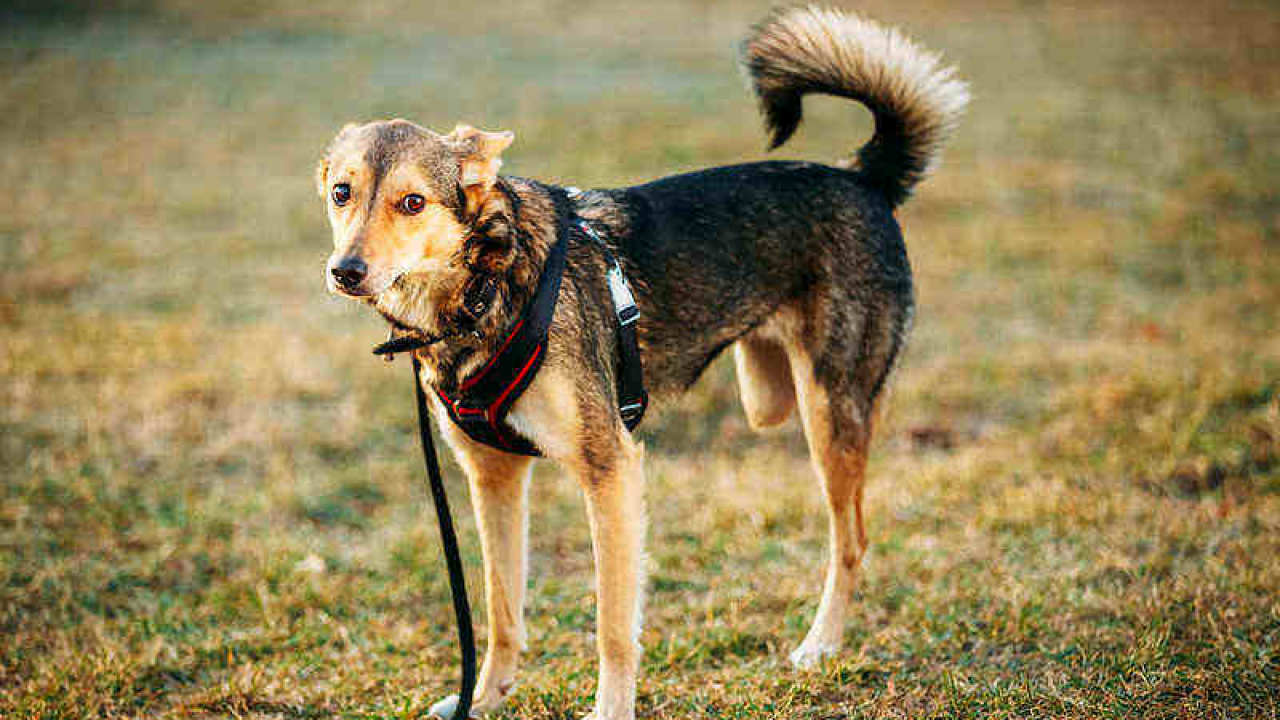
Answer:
(839, 456)
(837, 383)
(499, 485)
(764, 380)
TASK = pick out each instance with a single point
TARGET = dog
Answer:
(799, 267)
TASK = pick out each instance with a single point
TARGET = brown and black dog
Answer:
(799, 266)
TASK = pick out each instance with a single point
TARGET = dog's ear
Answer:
(322, 175)
(479, 158)
(322, 167)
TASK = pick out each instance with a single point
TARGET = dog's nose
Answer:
(350, 272)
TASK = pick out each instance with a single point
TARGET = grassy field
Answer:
(211, 502)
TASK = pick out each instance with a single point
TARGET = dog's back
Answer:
(718, 252)
(715, 253)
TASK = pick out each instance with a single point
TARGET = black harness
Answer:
(481, 404)
(482, 401)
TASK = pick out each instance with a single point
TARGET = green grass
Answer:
(211, 503)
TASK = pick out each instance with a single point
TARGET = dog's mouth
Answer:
(402, 296)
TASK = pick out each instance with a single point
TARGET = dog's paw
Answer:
(811, 654)
(595, 715)
(447, 708)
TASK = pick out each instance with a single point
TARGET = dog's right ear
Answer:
(322, 167)
(322, 175)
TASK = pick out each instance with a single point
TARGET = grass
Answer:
(211, 505)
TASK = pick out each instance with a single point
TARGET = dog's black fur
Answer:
(715, 253)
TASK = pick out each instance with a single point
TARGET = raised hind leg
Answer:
(764, 380)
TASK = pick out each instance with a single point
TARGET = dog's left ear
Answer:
(479, 158)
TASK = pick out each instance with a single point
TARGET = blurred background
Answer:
(211, 502)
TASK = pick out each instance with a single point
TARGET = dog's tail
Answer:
(914, 99)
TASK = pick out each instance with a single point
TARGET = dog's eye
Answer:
(412, 204)
(341, 193)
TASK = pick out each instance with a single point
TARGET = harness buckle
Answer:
(629, 411)
(624, 303)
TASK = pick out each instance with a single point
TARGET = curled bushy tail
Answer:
(914, 99)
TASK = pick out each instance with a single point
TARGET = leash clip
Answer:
(391, 335)
(403, 343)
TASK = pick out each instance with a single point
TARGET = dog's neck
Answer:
(510, 237)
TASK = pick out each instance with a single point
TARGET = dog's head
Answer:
(399, 199)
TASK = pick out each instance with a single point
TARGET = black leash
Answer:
(452, 558)
(448, 538)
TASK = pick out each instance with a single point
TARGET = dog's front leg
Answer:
(613, 483)
(499, 484)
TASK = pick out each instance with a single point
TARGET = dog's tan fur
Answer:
(816, 325)
(615, 510)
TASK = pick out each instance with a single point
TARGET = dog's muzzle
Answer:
(352, 277)
(349, 272)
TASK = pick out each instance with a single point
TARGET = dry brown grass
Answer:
(210, 504)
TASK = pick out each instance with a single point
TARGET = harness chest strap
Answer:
(482, 402)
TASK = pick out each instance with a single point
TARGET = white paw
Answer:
(447, 708)
(811, 654)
